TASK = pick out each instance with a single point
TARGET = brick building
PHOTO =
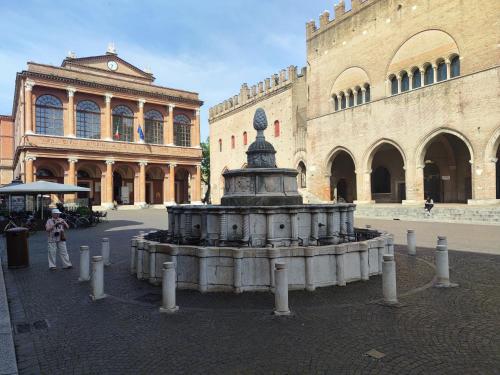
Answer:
(102, 123)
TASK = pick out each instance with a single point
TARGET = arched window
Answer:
(336, 102)
(302, 175)
(441, 71)
(359, 97)
(276, 128)
(429, 75)
(245, 138)
(49, 115)
(405, 82)
(123, 123)
(455, 67)
(88, 120)
(153, 127)
(394, 85)
(351, 99)
(220, 145)
(381, 181)
(233, 142)
(82, 174)
(182, 130)
(417, 78)
(342, 101)
(367, 93)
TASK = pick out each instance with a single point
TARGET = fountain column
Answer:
(350, 222)
(330, 226)
(188, 225)
(343, 219)
(314, 226)
(269, 229)
(294, 222)
(246, 226)
(222, 226)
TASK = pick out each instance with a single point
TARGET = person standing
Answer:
(57, 240)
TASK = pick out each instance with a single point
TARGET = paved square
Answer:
(437, 331)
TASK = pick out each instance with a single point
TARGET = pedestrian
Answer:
(57, 240)
(429, 203)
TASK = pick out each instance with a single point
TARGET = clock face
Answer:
(112, 65)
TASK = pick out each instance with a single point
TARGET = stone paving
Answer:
(436, 331)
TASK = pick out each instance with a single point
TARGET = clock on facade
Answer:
(112, 65)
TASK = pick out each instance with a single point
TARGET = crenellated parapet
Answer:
(250, 95)
(340, 14)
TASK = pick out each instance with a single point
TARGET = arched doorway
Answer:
(182, 186)
(301, 177)
(388, 175)
(51, 171)
(154, 185)
(432, 182)
(343, 178)
(447, 169)
(89, 176)
(123, 184)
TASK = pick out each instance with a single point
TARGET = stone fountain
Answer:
(261, 220)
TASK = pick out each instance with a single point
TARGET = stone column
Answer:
(196, 186)
(97, 279)
(281, 290)
(350, 221)
(355, 95)
(84, 264)
(237, 269)
(294, 222)
(269, 229)
(434, 70)
(418, 190)
(165, 186)
(70, 130)
(410, 80)
(170, 137)
(399, 82)
(28, 107)
(171, 183)
(448, 68)
(363, 94)
(107, 131)
(168, 288)
(246, 226)
(195, 135)
(28, 169)
(222, 226)
(71, 179)
(389, 280)
(142, 184)
(314, 226)
(363, 186)
(309, 253)
(109, 183)
(343, 220)
(411, 242)
(139, 120)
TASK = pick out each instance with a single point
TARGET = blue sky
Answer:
(206, 46)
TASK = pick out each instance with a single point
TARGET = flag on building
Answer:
(141, 133)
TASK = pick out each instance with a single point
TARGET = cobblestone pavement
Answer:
(463, 237)
(436, 331)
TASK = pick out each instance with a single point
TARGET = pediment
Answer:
(107, 63)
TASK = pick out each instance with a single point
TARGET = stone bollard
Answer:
(133, 256)
(443, 268)
(412, 242)
(84, 264)
(105, 251)
(168, 288)
(389, 280)
(442, 241)
(97, 281)
(281, 290)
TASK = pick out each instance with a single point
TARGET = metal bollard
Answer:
(97, 281)
(105, 251)
(411, 242)
(281, 290)
(168, 288)
(84, 264)
(389, 290)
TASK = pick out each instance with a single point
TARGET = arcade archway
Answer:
(388, 174)
(447, 169)
(343, 178)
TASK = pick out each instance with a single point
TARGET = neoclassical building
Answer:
(102, 123)
(401, 103)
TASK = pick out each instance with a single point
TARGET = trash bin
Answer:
(17, 248)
